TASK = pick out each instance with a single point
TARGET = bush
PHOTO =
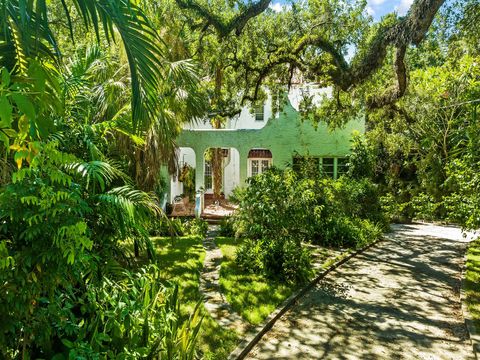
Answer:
(197, 227)
(280, 209)
(359, 198)
(277, 204)
(249, 256)
(179, 227)
(280, 260)
(226, 227)
(167, 227)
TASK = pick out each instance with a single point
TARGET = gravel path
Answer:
(398, 300)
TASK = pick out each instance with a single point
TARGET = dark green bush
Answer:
(281, 209)
(284, 260)
(226, 227)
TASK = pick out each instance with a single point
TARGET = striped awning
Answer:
(260, 153)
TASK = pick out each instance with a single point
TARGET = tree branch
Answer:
(224, 28)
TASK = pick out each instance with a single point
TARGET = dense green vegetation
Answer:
(92, 96)
(282, 209)
(472, 281)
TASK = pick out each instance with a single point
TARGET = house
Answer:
(252, 142)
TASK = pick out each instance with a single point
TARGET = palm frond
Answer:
(97, 173)
(126, 208)
(24, 25)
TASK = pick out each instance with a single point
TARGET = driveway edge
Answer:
(256, 334)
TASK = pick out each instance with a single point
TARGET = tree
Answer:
(317, 42)
(26, 33)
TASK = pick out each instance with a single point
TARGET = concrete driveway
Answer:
(398, 300)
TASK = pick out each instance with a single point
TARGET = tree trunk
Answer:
(217, 158)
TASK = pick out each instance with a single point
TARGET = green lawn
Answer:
(472, 281)
(182, 261)
(253, 296)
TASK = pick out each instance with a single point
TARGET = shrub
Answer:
(249, 256)
(359, 198)
(284, 260)
(167, 227)
(196, 227)
(179, 227)
(277, 204)
(280, 209)
(226, 227)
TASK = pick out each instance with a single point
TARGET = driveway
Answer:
(397, 300)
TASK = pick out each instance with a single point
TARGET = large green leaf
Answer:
(24, 105)
(5, 112)
(5, 77)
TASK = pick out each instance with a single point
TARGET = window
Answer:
(264, 165)
(328, 166)
(258, 166)
(342, 166)
(208, 176)
(308, 164)
(254, 167)
(259, 113)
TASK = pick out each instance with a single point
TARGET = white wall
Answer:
(231, 172)
(246, 119)
(297, 92)
(186, 156)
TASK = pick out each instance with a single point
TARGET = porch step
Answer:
(212, 219)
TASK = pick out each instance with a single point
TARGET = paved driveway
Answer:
(398, 300)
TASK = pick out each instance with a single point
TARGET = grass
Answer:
(472, 281)
(253, 296)
(181, 260)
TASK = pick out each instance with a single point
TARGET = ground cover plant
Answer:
(252, 295)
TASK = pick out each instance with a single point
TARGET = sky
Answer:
(376, 8)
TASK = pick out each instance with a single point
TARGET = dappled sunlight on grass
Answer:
(181, 261)
(253, 296)
(472, 280)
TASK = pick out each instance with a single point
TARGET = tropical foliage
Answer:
(94, 92)
(282, 209)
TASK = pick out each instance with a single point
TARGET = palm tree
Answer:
(26, 34)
